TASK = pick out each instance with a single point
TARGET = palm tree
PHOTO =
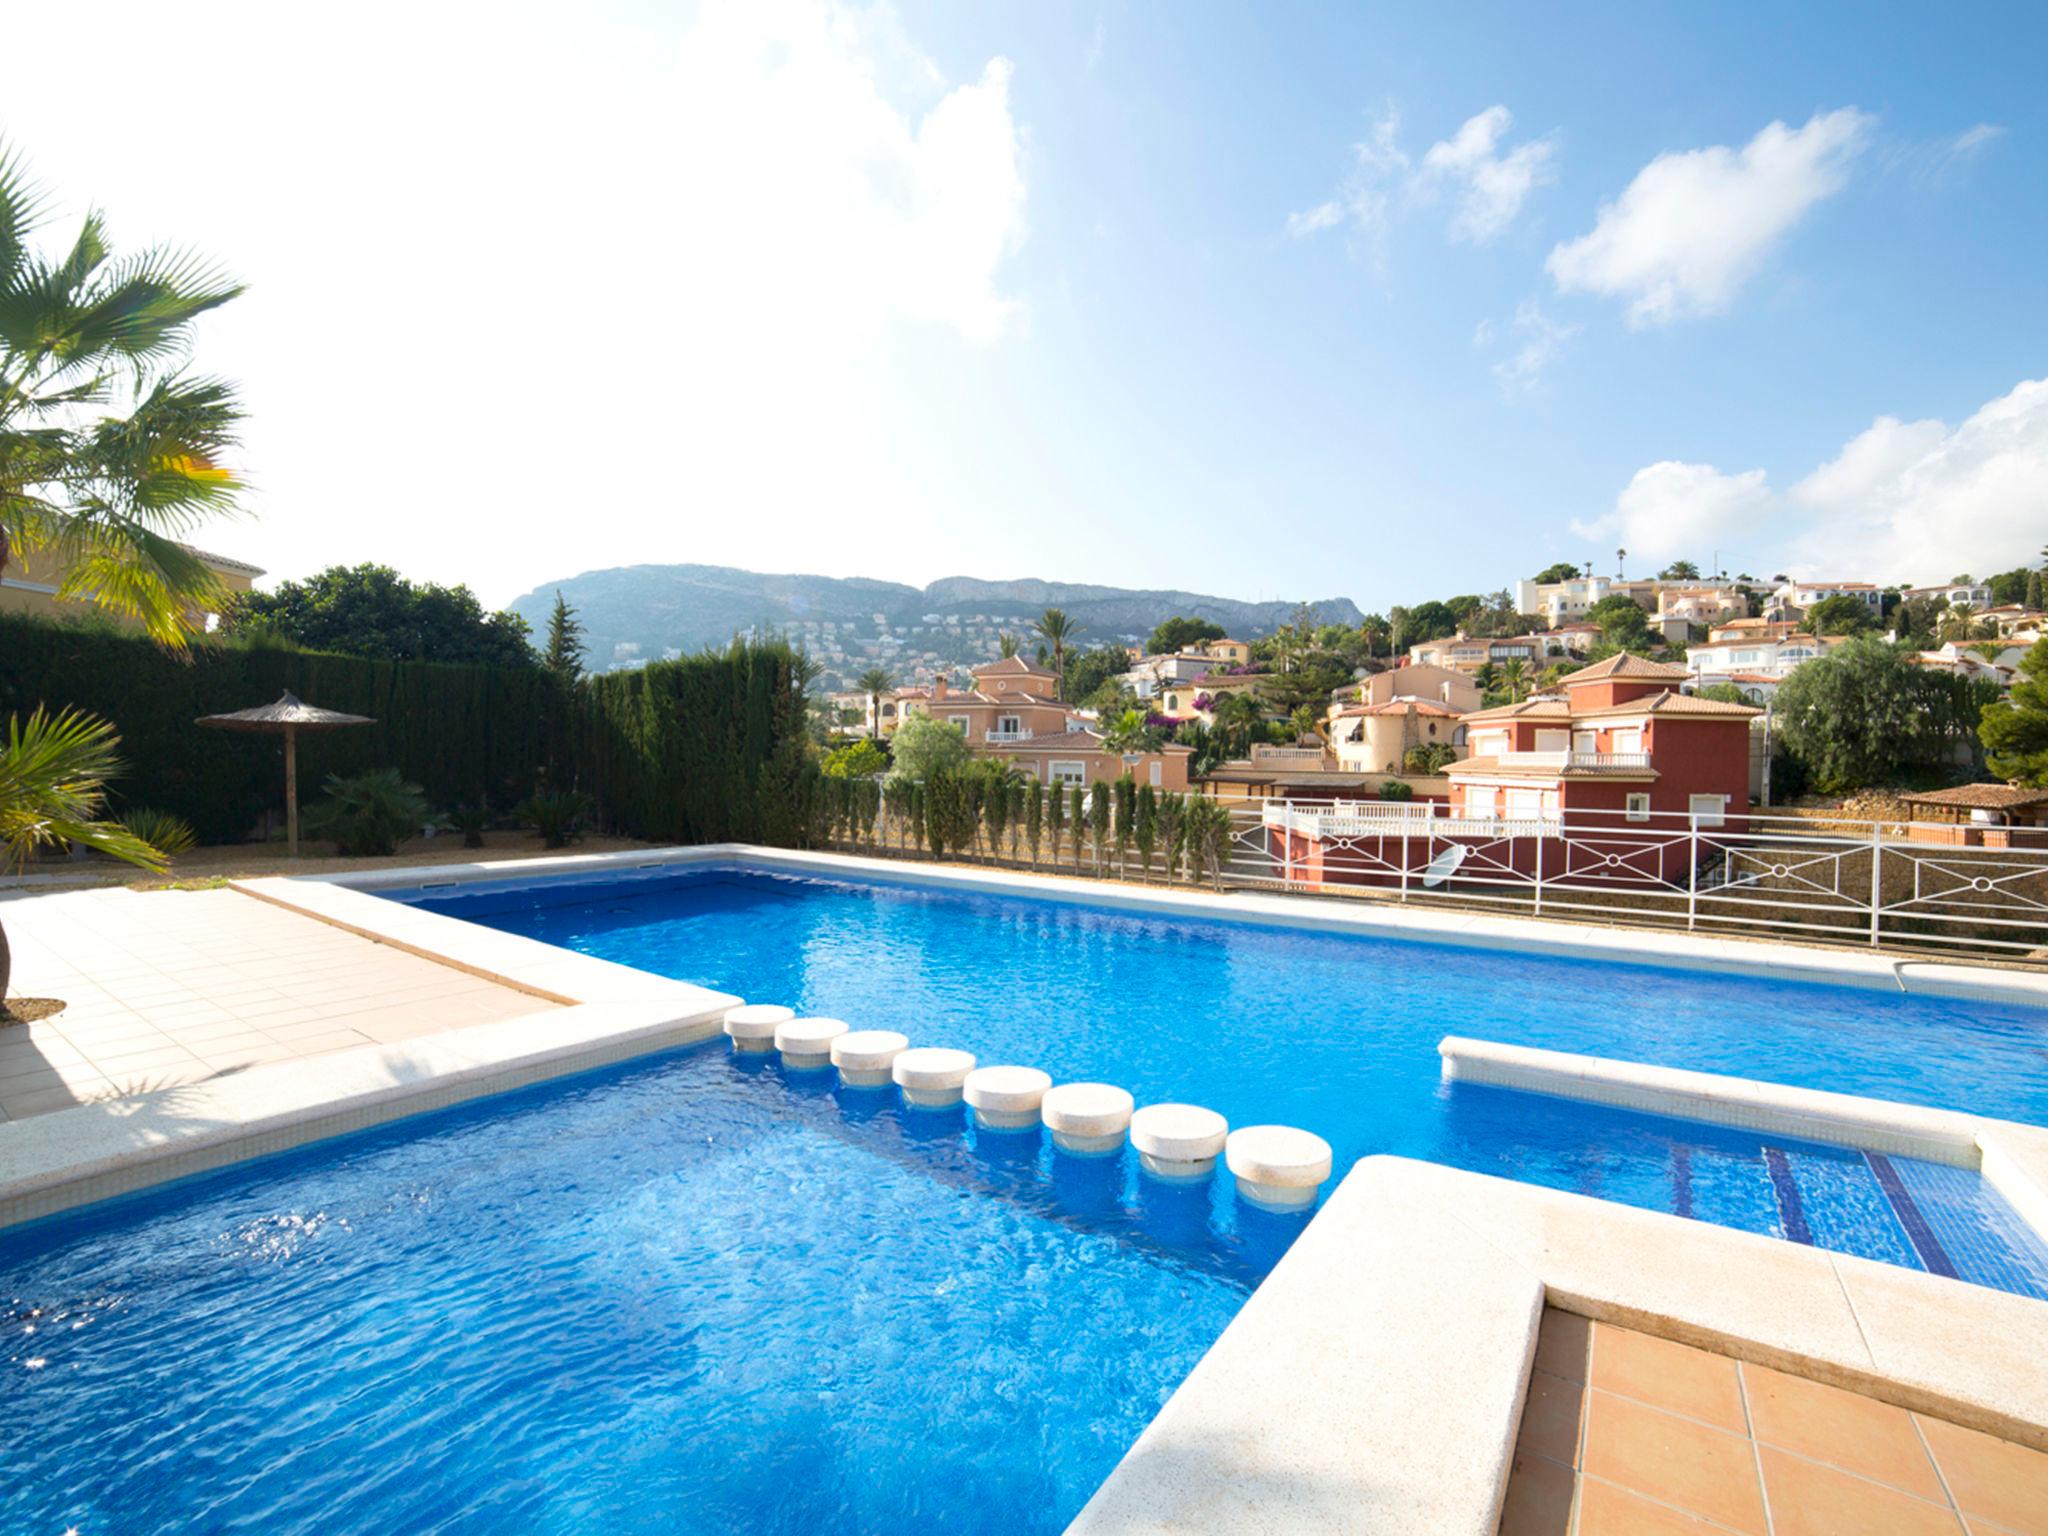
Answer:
(52, 770)
(1006, 645)
(1620, 559)
(1057, 631)
(1961, 623)
(1129, 733)
(875, 682)
(109, 451)
(1514, 677)
(1375, 631)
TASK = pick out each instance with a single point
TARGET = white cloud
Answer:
(1377, 162)
(1322, 216)
(1536, 339)
(1693, 227)
(1671, 510)
(1922, 500)
(1491, 187)
(1915, 501)
(1970, 140)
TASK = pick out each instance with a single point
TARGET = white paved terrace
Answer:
(167, 987)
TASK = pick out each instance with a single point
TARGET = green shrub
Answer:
(1397, 789)
(368, 815)
(169, 835)
(557, 816)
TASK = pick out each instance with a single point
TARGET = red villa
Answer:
(1618, 770)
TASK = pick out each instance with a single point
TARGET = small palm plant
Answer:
(53, 773)
(557, 816)
(370, 814)
(472, 821)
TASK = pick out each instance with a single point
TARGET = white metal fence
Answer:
(1936, 888)
(1944, 887)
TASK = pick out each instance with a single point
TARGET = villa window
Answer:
(963, 721)
(1638, 807)
(1010, 725)
(1708, 810)
(1066, 771)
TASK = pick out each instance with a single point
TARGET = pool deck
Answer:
(169, 988)
(1375, 1382)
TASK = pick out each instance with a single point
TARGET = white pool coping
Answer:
(1374, 1382)
(1746, 956)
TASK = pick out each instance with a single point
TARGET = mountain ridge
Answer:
(640, 612)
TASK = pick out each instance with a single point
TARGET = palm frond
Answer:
(23, 205)
(128, 568)
(53, 770)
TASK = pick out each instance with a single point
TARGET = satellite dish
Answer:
(1443, 866)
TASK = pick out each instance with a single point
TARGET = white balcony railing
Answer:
(1562, 760)
(1001, 736)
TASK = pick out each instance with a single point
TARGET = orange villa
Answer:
(1014, 712)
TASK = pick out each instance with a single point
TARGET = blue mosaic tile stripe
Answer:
(1791, 1209)
(1925, 1243)
(1983, 1236)
(1681, 1179)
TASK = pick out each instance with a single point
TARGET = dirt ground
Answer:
(245, 860)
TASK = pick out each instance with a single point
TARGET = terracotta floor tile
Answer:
(1674, 1461)
(1561, 1344)
(1539, 1498)
(1551, 1418)
(1605, 1510)
(1672, 1376)
(1855, 1433)
(1992, 1479)
(1808, 1499)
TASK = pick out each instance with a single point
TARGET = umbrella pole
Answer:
(291, 788)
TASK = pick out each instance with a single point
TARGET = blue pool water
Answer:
(1338, 1033)
(680, 1296)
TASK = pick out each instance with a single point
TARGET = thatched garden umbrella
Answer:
(291, 717)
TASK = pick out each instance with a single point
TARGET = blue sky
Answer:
(1107, 292)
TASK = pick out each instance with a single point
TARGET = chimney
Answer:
(938, 689)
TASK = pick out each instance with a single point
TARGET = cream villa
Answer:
(30, 579)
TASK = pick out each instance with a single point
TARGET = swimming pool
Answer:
(1338, 1033)
(697, 1293)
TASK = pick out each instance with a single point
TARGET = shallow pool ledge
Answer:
(2011, 1157)
(72, 1157)
(1375, 1382)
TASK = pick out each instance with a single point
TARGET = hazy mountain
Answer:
(647, 610)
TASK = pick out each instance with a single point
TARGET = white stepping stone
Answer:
(1005, 1098)
(751, 1026)
(863, 1056)
(1178, 1142)
(931, 1076)
(1087, 1119)
(806, 1044)
(1278, 1167)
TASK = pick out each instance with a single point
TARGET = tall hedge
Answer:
(708, 748)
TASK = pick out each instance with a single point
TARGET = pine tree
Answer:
(564, 655)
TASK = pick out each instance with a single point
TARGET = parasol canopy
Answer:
(288, 716)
